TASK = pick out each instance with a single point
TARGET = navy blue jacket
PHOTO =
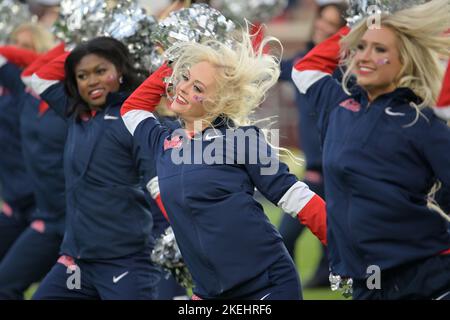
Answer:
(160, 223)
(16, 187)
(378, 167)
(107, 213)
(43, 137)
(209, 203)
(222, 231)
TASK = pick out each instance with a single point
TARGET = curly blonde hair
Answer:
(421, 40)
(244, 74)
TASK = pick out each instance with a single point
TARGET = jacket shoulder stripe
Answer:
(26, 80)
(134, 117)
(295, 198)
(153, 187)
(305, 79)
(442, 112)
(3, 61)
(40, 85)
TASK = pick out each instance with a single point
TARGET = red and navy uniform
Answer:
(108, 230)
(228, 243)
(43, 135)
(379, 166)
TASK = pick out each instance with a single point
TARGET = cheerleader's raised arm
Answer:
(141, 104)
(312, 75)
(12, 60)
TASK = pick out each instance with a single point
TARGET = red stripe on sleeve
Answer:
(161, 206)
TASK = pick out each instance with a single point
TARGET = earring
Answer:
(121, 80)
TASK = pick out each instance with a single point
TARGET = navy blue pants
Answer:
(132, 277)
(279, 282)
(169, 289)
(426, 279)
(28, 260)
(291, 229)
(13, 221)
(284, 283)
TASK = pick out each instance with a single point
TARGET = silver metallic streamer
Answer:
(344, 285)
(252, 10)
(81, 20)
(130, 24)
(167, 255)
(12, 13)
(360, 9)
(196, 23)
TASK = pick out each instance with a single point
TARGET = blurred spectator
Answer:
(47, 11)
(31, 37)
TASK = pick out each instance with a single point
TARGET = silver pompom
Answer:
(252, 10)
(12, 13)
(360, 9)
(129, 23)
(195, 24)
(344, 285)
(167, 255)
(80, 20)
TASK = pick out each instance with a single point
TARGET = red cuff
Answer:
(44, 59)
(325, 56)
(444, 97)
(148, 95)
(314, 216)
(18, 56)
(54, 70)
(257, 33)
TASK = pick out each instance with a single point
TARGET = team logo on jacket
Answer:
(351, 104)
(174, 142)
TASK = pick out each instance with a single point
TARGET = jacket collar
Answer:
(114, 98)
(402, 94)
